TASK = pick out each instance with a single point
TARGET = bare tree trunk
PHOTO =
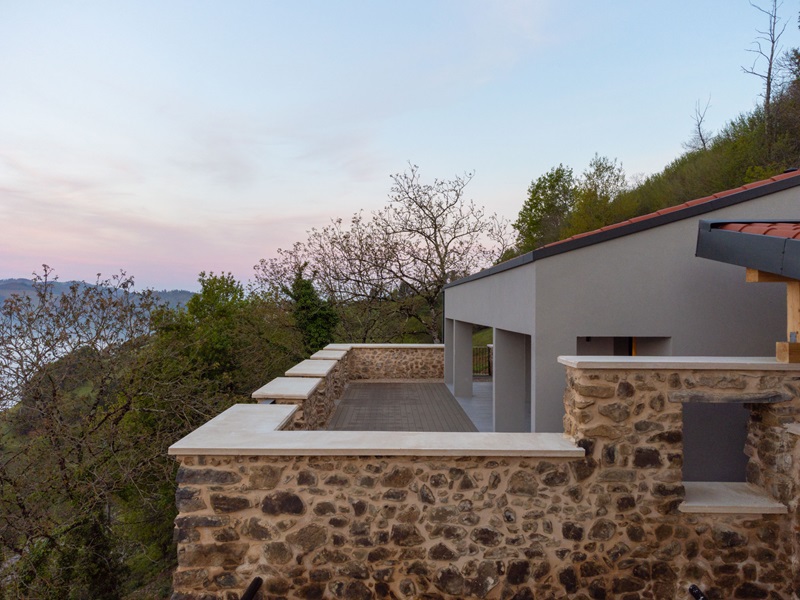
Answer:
(766, 47)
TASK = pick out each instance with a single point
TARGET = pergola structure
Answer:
(770, 251)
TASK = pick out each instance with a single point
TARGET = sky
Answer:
(169, 138)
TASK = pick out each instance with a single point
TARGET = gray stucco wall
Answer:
(646, 284)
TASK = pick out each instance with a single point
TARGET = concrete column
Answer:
(511, 371)
(448, 352)
(462, 359)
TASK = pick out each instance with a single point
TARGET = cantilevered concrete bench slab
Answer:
(344, 347)
(230, 426)
(308, 393)
(329, 355)
(288, 388)
(312, 368)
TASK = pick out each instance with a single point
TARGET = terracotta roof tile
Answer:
(678, 207)
(729, 192)
(783, 176)
(669, 209)
(704, 199)
(615, 225)
(641, 218)
(755, 184)
(784, 230)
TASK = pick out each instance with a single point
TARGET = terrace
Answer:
(274, 491)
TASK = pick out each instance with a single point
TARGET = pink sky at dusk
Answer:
(166, 139)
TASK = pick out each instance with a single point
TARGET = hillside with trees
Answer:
(97, 381)
(754, 145)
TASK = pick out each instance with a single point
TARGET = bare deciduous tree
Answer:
(701, 137)
(61, 415)
(767, 50)
(401, 256)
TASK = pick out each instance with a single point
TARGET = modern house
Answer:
(633, 288)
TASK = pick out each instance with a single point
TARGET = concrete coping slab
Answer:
(248, 430)
(382, 346)
(312, 368)
(287, 388)
(728, 498)
(687, 363)
(329, 355)
(230, 425)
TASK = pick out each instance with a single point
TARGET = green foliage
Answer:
(483, 337)
(98, 384)
(601, 183)
(384, 272)
(550, 201)
(314, 317)
(742, 152)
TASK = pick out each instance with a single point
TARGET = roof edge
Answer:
(773, 254)
(643, 223)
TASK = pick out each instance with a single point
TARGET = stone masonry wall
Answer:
(741, 556)
(396, 362)
(314, 412)
(774, 454)
(606, 526)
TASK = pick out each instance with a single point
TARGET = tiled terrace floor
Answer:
(402, 406)
(479, 406)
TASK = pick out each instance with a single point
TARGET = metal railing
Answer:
(482, 360)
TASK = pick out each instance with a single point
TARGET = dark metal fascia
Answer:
(768, 253)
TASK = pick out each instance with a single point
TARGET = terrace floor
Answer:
(399, 406)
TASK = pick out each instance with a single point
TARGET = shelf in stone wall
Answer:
(728, 498)
(793, 428)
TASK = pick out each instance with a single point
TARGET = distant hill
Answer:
(24, 287)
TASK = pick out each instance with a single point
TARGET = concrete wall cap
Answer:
(689, 363)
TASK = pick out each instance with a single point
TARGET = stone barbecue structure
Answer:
(601, 512)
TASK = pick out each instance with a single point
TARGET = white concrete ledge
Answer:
(347, 347)
(312, 368)
(248, 429)
(396, 346)
(793, 428)
(344, 347)
(329, 355)
(693, 363)
(728, 498)
(238, 420)
(287, 388)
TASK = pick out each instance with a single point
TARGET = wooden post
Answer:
(792, 309)
(788, 351)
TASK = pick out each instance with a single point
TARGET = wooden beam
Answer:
(756, 276)
(793, 310)
(787, 352)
